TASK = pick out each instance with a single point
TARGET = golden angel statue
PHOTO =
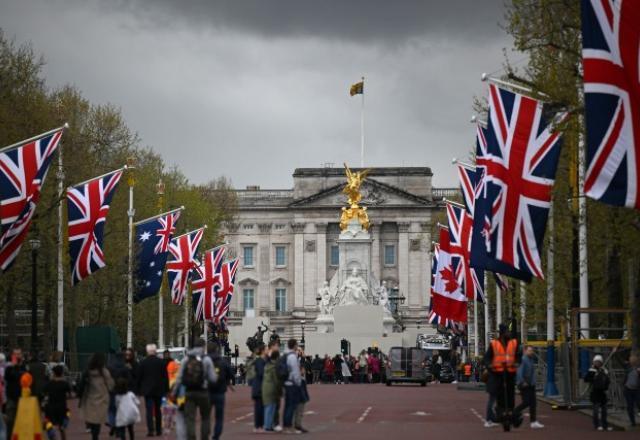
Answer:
(352, 190)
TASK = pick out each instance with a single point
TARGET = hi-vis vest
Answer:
(504, 358)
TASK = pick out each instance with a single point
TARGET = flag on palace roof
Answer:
(87, 208)
(152, 238)
(519, 164)
(610, 41)
(181, 263)
(23, 170)
(357, 89)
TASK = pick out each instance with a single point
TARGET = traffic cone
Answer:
(28, 425)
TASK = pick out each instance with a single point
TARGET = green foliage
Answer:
(97, 141)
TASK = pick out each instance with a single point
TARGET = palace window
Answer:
(281, 299)
(389, 255)
(335, 255)
(248, 299)
(247, 256)
(281, 256)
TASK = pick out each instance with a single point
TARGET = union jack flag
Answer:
(520, 166)
(206, 283)
(87, 208)
(460, 229)
(183, 251)
(165, 232)
(610, 41)
(22, 173)
(469, 182)
(225, 294)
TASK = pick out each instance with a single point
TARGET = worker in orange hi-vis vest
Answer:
(28, 422)
(502, 358)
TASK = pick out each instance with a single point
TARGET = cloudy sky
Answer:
(252, 89)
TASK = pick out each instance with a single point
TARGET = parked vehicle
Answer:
(406, 365)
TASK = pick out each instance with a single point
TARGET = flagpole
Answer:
(60, 329)
(160, 193)
(34, 138)
(582, 236)
(131, 212)
(550, 388)
(153, 217)
(475, 328)
(186, 319)
(362, 128)
(102, 175)
(206, 336)
(487, 320)
(523, 312)
(498, 306)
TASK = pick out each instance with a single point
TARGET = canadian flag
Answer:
(449, 300)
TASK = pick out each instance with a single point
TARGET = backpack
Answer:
(282, 369)
(601, 381)
(220, 367)
(250, 371)
(193, 376)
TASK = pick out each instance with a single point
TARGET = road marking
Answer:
(364, 415)
(475, 413)
(309, 413)
(420, 413)
(238, 419)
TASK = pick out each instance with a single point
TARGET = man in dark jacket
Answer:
(316, 367)
(598, 377)
(217, 390)
(153, 384)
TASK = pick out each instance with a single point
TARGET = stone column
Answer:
(263, 268)
(321, 248)
(298, 252)
(376, 261)
(403, 259)
(425, 263)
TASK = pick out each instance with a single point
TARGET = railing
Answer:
(264, 194)
(440, 193)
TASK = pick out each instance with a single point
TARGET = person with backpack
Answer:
(270, 390)
(255, 376)
(152, 383)
(196, 375)
(289, 368)
(598, 377)
(217, 390)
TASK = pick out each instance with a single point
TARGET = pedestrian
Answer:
(598, 377)
(256, 374)
(346, 372)
(39, 370)
(242, 374)
(127, 411)
(362, 366)
(55, 393)
(131, 368)
(491, 381)
(304, 398)
(316, 368)
(97, 384)
(218, 390)
(502, 356)
(274, 345)
(329, 369)
(526, 382)
(196, 374)
(291, 386)
(270, 390)
(337, 364)
(12, 375)
(632, 388)
(173, 367)
(152, 383)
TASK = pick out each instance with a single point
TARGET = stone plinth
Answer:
(248, 328)
(355, 250)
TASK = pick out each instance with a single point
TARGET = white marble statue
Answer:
(354, 290)
(326, 301)
(383, 298)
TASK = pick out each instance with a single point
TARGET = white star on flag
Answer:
(145, 236)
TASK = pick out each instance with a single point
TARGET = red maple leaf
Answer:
(451, 285)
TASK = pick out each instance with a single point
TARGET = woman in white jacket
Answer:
(127, 411)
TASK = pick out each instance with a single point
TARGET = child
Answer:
(56, 392)
(127, 412)
(304, 398)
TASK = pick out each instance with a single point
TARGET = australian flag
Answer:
(152, 238)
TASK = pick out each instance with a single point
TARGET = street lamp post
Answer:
(302, 341)
(35, 245)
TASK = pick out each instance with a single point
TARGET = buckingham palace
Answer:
(287, 243)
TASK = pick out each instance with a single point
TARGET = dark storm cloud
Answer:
(253, 89)
(386, 21)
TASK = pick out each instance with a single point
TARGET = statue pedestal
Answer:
(354, 244)
(324, 324)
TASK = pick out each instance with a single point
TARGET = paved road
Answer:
(380, 412)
